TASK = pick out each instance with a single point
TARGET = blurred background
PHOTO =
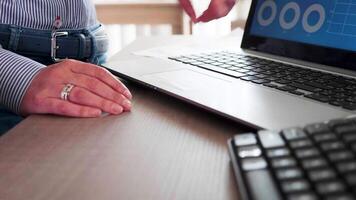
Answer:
(126, 20)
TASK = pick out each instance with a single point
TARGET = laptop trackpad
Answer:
(185, 80)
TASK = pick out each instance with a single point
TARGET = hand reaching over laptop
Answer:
(216, 9)
(77, 89)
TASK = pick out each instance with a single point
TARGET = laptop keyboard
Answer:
(320, 86)
(314, 162)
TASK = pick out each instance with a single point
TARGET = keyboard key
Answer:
(304, 87)
(262, 185)
(300, 143)
(245, 139)
(351, 128)
(321, 174)
(346, 167)
(349, 106)
(283, 162)
(280, 152)
(295, 186)
(294, 134)
(292, 173)
(270, 139)
(324, 137)
(249, 151)
(351, 179)
(286, 88)
(317, 97)
(332, 146)
(260, 81)
(271, 85)
(342, 196)
(330, 187)
(314, 163)
(249, 164)
(303, 196)
(349, 137)
(296, 92)
(339, 122)
(340, 156)
(248, 78)
(317, 128)
(307, 153)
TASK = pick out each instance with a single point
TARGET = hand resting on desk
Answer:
(95, 91)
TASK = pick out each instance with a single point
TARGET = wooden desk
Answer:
(163, 149)
(153, 12)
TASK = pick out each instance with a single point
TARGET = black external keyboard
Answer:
(320, 86)
(314, 162)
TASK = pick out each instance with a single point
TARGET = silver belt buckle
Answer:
(54, 46)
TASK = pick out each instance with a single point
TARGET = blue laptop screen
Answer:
(328, 23)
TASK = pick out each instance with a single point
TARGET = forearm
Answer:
(16, 74)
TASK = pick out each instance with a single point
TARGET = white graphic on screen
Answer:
(343, 18)
(270, 7)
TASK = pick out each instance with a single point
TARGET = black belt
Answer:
(75, 44)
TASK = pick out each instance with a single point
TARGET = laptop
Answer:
(296, 66)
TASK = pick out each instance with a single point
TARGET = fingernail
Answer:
(117, 109)
(128, 94)
(127, 104)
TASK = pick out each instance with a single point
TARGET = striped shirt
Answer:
(17, 72)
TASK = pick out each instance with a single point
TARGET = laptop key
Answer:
(297, 93)
(260, 81)
(248, 78)
(303, 87)
(286, 88)
(349, 106)
(317, 97)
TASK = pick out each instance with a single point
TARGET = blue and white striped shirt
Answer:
(17, 72)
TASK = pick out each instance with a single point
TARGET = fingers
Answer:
(66, 108)
(84, 97)
(101, 74)
(99, 90)
(187, 6)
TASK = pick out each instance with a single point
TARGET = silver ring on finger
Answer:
(66, 91)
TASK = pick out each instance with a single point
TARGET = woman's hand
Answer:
(216, 9)
(95, 91)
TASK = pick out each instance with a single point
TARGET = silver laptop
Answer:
(297, 67)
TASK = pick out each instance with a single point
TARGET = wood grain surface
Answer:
(163, 149)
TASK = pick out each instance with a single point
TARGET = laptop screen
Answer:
(309, 30)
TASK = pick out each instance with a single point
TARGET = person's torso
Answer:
(41, 14)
